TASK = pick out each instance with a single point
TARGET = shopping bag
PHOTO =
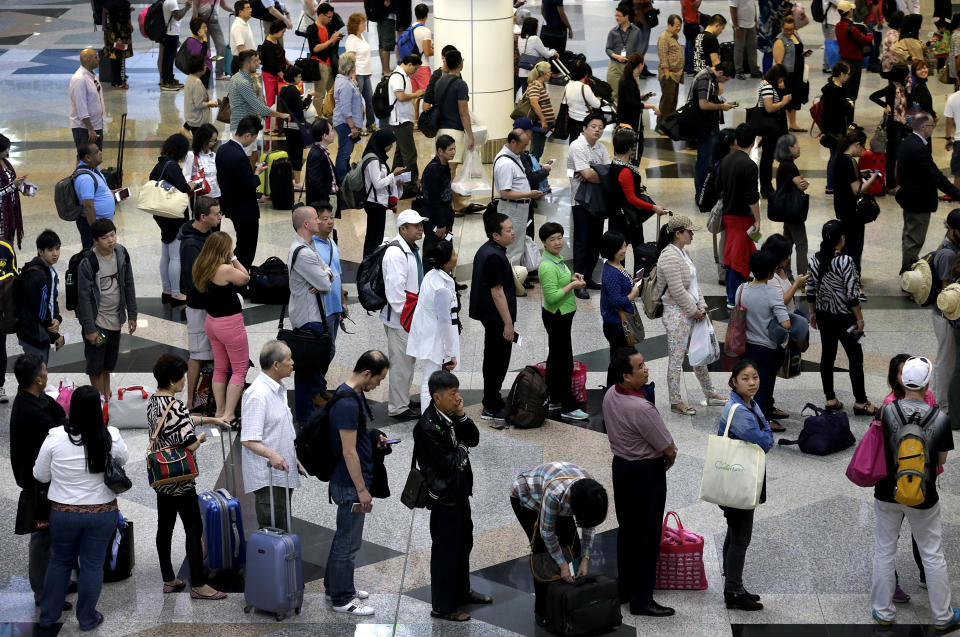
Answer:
(735, 343)
(733, 470)
(531, 256)
(869, 462)
(704, 348)
(680, 563)
(472, 179)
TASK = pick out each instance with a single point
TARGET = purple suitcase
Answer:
(274, 579)
(222, 526)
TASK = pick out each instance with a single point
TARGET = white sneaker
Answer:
(3, 396)
(354, 608)
(358, 595)
(576, 414)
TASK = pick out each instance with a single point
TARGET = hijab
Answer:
(378, 143)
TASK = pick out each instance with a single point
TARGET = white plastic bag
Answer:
(531, 256)
(704, 347)
(472, 178)
(733, 471)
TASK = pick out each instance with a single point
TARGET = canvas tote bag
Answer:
(733, 470)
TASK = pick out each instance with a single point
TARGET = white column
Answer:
(482, 30)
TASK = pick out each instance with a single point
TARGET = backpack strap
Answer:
(93, 176)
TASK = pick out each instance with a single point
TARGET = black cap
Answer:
(953, 219)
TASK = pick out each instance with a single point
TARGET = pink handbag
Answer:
(64, 395)
(869, 462)
(680, 564)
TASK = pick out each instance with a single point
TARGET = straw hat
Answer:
(917, 281)
(948, 301)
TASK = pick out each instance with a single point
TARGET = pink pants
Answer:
(228, 339)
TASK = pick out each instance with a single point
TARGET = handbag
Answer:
(704, 347)
(306, 135)
(428, 122)
(170, 464)
(527, 61)
(788, 204)
(114, 476)
(632, 326)
(309, 68)
(223, 110)
(561, 127)
(715, 218)
(414, 494)
(128, 408)
(735, 342)
(867, 207)
(542, 565)
(733, 470)
(523, 108)
(680, 563)
(944, 75)
(869, 462)
(160, 198)
(204, 188)
(33, 510)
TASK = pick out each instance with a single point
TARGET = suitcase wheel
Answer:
(247, 609)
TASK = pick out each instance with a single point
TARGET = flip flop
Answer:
(218, 595)
(798, 130)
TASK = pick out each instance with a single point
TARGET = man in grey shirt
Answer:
(623, 39)
(310, 279)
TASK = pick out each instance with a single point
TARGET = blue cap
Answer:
(523, 123)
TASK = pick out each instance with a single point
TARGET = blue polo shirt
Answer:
(103, 202)
(330, 253)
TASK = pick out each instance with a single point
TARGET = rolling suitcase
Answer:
(274, 581)
(281, 183)
(270, 157)
(222, 525)
(588, 606)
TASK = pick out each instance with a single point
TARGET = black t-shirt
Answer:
(739, 179)
(490, 269)
(939, 440)
(272, 57)
(437, 195)
(845, 172)
(708, 44)
(786, 171)
(449, 91)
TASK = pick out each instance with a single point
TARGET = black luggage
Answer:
(281, 184)
(726, 51)
(114, 175)
(588, 606)
(269, 282)
(121, 556)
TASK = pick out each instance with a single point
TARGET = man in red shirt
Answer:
(850, 40)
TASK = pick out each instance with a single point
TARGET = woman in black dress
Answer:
(630, 104)
(788, 51)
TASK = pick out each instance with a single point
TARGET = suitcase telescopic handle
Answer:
(286, 498)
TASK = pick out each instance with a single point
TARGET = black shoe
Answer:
(406, 414)
(651, 609)
(742, 601)
(582, 294)
(756, 74)
(165, 298)
(67, 606)
(592, 285)
(646, 73)
(527, 285)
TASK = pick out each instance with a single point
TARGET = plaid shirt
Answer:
(552, 502)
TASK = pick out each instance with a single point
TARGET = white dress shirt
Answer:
(64, 465)
(267, 418)
(86, 99)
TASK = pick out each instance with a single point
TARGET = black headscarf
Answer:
(911, 26)
(378, 143)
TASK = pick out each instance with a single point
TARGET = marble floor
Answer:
(811, 553)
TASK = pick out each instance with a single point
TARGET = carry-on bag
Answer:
(128, 409)
(824, 432)
(589, 605)
(121, 556)
(222, 525)
(274, 581)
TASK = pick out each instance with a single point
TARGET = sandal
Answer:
(685, 409)
(177, 586)
(451, 617)
(868, 409)
(217, 595)
(477, 598)
(836, 406)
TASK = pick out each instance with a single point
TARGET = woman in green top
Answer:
(559, 306)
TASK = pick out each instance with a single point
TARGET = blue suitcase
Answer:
(222, 527)
(274, 579)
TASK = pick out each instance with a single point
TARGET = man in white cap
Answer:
(896, 498)
(402, 273)
(942, 271)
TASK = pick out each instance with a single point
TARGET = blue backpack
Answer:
(406, 43)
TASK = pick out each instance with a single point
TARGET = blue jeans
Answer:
(344, 150)
(365, 85)
(86, 236)
(704, 160)
(306, 386)
(733, 281)
(338, 577)
(76, 537)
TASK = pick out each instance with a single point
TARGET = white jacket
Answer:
(433, 333)
(399, 277)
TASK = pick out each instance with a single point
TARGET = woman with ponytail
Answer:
(834, 297)
(847, 182)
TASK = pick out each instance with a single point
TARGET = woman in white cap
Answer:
(683, 305)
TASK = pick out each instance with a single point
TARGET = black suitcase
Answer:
(588, 606)
(281, 184)
(726, 52)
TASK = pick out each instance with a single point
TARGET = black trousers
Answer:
(248, 232)
(833, 330)
(169, 507)
(853, 232)
(768, 361)
(853, 84)
(294, 147)
(613, 332)
(451, 531)
(639, 495)
(735, 544)
(566, 530)
(587, 230)
(496, 360)
(376, 218)
(559, 358)
(171, 43)
(768, 145)
(896, 133)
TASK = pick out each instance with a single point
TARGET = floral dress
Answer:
(117, 30)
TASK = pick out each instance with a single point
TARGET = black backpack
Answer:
(314, 448)
(526, 406)
(382, 105)
(817, 12)
(71, 281)
(823, 433)
(370, 288)
(270, 282)
(281, 184)
(154, 26)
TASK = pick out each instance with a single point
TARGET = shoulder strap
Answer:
(283, 309)
(162, 420)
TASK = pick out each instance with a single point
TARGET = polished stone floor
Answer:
(812, 544)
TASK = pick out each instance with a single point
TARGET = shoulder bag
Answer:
(169, 464)
(414, 494)
(542, 564)
(867, 208)
(788, 204)
(302, 125)
(223, 110)
(429, 120)
(561, 128)
(526, 60)
(733, 470)
(115, 477)
(159, 197)
(735, 342)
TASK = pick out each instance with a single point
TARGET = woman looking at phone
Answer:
(631, 105)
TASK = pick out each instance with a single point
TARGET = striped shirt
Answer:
(244, 99)
(837, 290)
(177, 431)
(537, 91)
(766, 90)
(267, 418)
(536, 491)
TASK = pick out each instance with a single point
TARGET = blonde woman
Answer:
(542, 107)
(218, 275)
(355, 43)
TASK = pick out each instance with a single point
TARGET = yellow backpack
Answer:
(910, 455)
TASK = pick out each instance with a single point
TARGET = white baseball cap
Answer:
(916, 373)
(409, 216)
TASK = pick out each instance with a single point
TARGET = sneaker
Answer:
(900, 596)
(357, 595)
(756, 75)
(3, 396)
(923, 583)
(730, 306)
(171, 87)
(828, 192)
(552, 407)
(713, 401)
(576, 414)
(953, 621)
(499, 419)
(354, 608)
(881, 622)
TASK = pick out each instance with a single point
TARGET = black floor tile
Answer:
(152, 306)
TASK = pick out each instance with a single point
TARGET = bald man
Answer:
(310, 279)
(86, 101)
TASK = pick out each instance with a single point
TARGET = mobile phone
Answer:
(639, 273)
(392, 441)
(551, 162)
(28, 188)
(517, 339)
(734, 104)
(263, 163)
(808, 53)
(356, 508)
(120, 195)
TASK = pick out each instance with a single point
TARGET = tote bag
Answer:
(869, 462)
(160, 198)
(735, 342)
(680, 563)
(733, 470)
